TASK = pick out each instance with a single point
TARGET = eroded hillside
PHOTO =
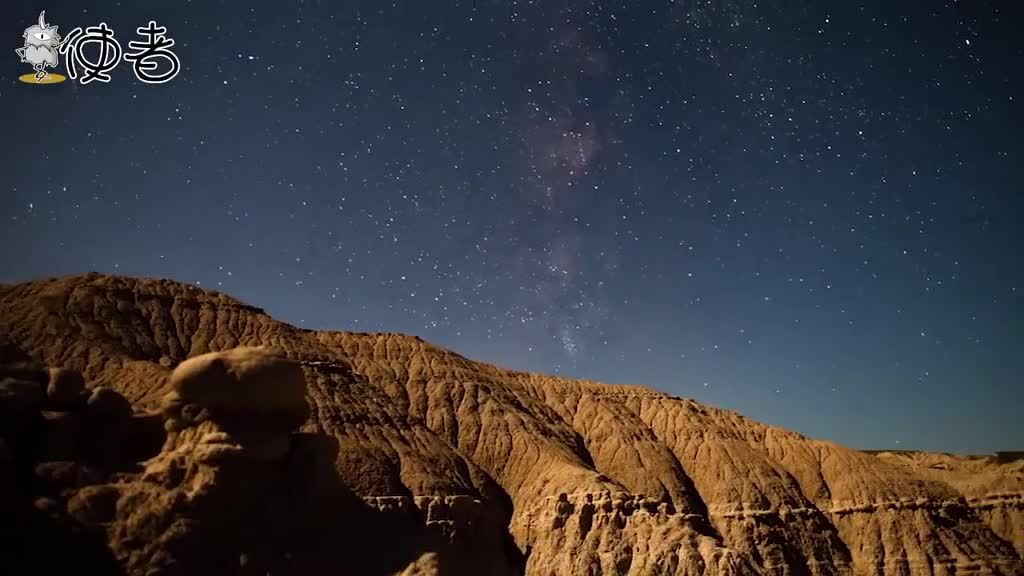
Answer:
(482, 470)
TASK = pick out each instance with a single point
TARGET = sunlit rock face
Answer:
(179, 431)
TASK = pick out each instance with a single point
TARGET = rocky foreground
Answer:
(140, 433)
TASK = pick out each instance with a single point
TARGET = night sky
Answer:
(803, 211)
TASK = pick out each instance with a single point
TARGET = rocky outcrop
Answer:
(993, 486)
(209, 493)
(622, 533)
(55, 443)
(333, 452)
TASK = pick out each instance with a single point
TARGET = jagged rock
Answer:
(94, 505)
(992, 485)
(407, 450)
(65, 386)
(427, 565)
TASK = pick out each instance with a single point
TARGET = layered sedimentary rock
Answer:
(992, 485)
(462, 467)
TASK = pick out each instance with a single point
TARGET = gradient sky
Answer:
(804, 211)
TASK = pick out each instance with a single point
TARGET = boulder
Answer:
(144, 437)
(244, 381)
(93, 505)
(65, 386)
(52, 478)
(110, 431)
(108, 405)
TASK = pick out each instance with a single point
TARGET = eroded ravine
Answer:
(565, 476)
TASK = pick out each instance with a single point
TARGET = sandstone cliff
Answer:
(351, 453)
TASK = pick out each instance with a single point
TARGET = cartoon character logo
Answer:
(40, 50)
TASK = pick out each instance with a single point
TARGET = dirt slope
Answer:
(441, 463)
(992, 485)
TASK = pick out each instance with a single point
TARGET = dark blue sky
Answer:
(806, 212)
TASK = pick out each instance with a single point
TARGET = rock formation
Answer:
(992, 485)
(183, 432)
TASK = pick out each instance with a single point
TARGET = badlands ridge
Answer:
(151, 427)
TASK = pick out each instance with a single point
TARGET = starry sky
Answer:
(803, 211)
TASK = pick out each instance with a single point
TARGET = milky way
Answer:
(804, 213)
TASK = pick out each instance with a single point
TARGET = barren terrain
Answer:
(354, 453)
